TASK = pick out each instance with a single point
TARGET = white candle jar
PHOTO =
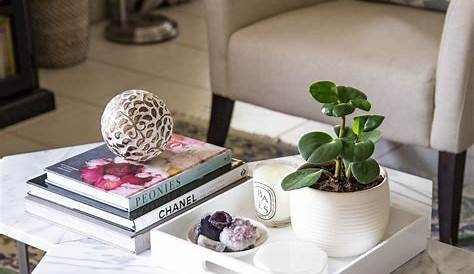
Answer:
(272, 203)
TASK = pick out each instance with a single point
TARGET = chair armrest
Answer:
(224, 17)
(453, 121)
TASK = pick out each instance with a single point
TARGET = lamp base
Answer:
(142, 29)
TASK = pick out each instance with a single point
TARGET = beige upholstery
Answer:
(267, 53)
(453, 123)
(226, 17)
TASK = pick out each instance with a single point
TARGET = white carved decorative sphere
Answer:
(136, 125)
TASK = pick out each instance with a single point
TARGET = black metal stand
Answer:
(20, 94)
(139, 28)
(25, 105)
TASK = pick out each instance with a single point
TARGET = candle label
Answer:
(265, 201)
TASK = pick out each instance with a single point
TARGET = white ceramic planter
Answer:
(342, 224)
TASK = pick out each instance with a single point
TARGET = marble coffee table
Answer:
(69, 252)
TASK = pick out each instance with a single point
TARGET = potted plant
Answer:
(340, 197)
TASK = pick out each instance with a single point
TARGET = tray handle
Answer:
(184, 257)
(216, 263)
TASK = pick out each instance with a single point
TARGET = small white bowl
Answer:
(262, 231)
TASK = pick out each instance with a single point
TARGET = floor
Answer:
(178, 71)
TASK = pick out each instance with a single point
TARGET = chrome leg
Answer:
(22, 257)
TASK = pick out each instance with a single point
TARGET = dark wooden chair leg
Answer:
(450, 184)
(221, 113)
(22, 257)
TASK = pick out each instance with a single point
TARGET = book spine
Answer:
(180, 180)
(190, 198)
(179, 192)
(87, 227)
(79, 207)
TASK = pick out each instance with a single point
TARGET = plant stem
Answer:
(343, 126)
(338, 171)
(349, 173)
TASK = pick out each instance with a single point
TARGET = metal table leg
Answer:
(22, 257)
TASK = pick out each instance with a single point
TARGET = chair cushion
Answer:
(389, 52)
(440, 5)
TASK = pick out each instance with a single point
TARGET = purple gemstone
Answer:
(208, 230)
(240, 235)
(220, 219)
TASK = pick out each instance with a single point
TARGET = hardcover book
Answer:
(100, 175)
(39, 187)
(173, 202)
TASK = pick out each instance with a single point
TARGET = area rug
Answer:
(247, 147)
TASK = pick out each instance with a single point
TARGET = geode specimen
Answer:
(240, 235)
(220, 232)
(211, 225)
(220, 219)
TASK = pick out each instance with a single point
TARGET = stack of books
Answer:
(118, 201)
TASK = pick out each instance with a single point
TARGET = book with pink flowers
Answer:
(100, 175)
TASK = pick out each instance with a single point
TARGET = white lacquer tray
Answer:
(405, 237)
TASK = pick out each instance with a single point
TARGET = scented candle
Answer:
(271, 202)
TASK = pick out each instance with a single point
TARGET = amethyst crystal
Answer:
(208, 230)
(220, 219)
(240, 235)
(211, 225)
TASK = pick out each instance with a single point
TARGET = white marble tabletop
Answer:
(69, 252)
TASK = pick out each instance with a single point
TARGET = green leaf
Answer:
(348, 150)
(373, 122)
(301, 178)
(348, 133)
(324, 92)
(319, 147)
(327, 109)
(365, 171)
(357, 152)
(373, 136)
(361, 104)
(366, 123)
(343, 109)
(346, 94)
(311, 141)
(363, 151)
(358, 125)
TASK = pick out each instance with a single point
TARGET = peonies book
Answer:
(100, 175)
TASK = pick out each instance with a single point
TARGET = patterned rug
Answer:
(466, 226)
(247, 147)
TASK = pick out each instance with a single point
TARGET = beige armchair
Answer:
(415, 65)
